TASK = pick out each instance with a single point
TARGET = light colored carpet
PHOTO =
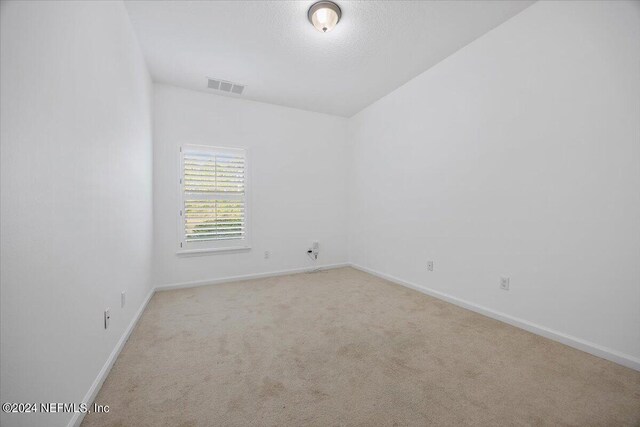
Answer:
(342, 347)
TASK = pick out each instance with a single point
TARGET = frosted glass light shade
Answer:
(324, 15)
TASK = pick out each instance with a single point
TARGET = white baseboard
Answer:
(228, 279)
(77, 418)
(580, 344)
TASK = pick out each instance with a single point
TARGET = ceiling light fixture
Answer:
(324, 15)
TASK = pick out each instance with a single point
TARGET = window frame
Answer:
(212, 247)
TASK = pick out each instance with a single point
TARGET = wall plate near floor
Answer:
(107, 317)
(504, 283)
(429, 265)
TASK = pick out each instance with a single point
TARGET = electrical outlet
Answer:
(430, 265)
(123, 299)
(504, 283)
(315, 249)
(267, 254)
(107, 317)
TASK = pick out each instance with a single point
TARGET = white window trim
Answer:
(234, 245)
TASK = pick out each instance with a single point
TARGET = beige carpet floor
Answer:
(344, 348)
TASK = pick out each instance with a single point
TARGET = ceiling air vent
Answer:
(225, 86)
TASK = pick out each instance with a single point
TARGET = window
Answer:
(213, 190)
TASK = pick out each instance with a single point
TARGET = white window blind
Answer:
(214, 208)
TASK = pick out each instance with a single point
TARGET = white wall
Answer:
(519, 156)
(298, 163)
(76, 196)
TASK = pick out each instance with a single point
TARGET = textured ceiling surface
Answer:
(271, 47)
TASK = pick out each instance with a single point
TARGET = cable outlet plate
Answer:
(504, 283)
(107, 317)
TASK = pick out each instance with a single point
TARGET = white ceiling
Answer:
(271, 47)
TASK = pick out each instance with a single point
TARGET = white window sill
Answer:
(212, 251)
